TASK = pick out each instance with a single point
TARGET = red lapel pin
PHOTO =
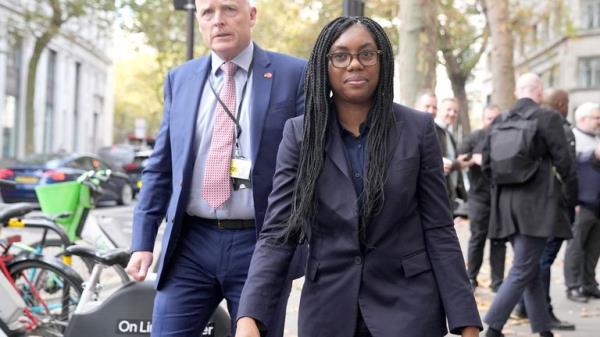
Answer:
(268, 75)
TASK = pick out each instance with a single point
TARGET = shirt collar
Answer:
(242, 60)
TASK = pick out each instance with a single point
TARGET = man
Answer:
(525, 212)
(556, 100)
(584, 250)
(445, 119)
(479, 206)
(211, 170)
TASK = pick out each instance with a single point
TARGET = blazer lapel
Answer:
(334, 147)
(262, 79)
(184, 121)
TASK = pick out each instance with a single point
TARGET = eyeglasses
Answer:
(343, 59)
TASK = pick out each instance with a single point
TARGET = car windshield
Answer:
(50, 160)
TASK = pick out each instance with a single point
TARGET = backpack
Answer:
(512, 159)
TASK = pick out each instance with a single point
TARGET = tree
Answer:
(417, 55)
(137, 77)
(285, 26)
(45, 19)
(503, 72)
(462, 43)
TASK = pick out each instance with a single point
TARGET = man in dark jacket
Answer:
(479, 206)
(526, 213)
(556, 100)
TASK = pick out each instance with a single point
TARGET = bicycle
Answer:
(65, 208)
(127, 311)
(38, 294)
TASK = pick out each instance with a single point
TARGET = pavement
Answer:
(117, 222)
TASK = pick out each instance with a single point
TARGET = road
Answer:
(117, 222)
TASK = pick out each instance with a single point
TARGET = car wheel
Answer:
(126, 195)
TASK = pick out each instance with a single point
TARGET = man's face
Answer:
(226, 25)
(591, 123)
(427, 103)
(448, 112)
(489, 115)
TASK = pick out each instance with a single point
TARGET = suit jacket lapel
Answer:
(334, 147)
(261, 94)
(184, 121)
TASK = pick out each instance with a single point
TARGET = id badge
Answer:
(240, 168)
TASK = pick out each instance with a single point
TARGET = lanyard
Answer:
(235, 119)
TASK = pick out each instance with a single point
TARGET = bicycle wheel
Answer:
(83, 265)
(51, 291)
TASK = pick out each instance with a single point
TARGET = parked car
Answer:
(130, 158)
(42, 169)
(135, 168)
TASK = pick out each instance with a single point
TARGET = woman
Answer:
(361, 180)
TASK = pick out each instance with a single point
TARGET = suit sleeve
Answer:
(562, 160)
(271, 259)
(300, 92)
(440, 238)
(156, 184)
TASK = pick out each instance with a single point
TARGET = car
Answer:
(130, 158)
(43, 169)
(135, 168)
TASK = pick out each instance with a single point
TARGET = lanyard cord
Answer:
(235, 119)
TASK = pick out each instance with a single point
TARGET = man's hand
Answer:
(464, 161)
(477, 158)
(138, 265)
(447, 165)
(246, 327)
(470, 331)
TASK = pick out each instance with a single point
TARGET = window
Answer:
(551, 77)
(589, 72)
(50, 97)
(9, 119)
(590, 14)
(76, 106)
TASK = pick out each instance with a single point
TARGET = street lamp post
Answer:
(190, 8)
(354, 7)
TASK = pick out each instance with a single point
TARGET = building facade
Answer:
(73, 103)
(562, 45)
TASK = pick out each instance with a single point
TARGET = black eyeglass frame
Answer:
(353, 55)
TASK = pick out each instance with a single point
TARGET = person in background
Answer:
(583, 250)
(556, 100)
(524, 213)
(479, 206)
(445, 118)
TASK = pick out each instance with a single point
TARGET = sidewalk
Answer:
(586, 317)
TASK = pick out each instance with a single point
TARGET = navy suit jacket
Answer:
(412, 275)
(277, 95)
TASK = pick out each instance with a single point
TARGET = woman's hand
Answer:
(470, 331)
(246, 327)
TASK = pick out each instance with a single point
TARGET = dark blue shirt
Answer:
(356, 153)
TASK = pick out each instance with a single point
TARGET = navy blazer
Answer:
(277, 95)
(412, 278)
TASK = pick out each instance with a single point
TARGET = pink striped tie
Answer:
(216, 187)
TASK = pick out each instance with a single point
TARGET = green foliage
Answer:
(138, 94)
(289, 26)
(463, 34)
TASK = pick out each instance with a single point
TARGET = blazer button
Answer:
(357, 259)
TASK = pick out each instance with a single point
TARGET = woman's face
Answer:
(354, 65)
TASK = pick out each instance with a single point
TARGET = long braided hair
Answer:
(317, 116)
